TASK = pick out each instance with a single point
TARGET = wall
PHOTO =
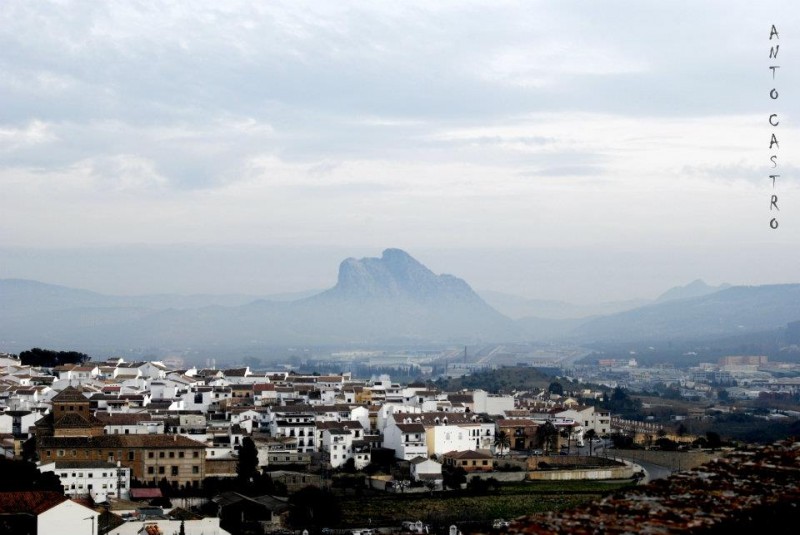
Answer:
(67, 518)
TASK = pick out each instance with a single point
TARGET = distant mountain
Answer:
(696, 288)
(19, 296)
(519, 307)
(731, 311)
(391, 299)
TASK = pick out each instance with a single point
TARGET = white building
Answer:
(408, 440)
(589, 418)
(203, 526)
(423, 469)
(47, 513)
(447, 431)
(495, 405)
(100, 480)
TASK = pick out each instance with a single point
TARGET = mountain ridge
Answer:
(391, 298)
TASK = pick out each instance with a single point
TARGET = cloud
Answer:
(438, 124)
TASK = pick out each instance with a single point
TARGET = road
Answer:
(604, 449)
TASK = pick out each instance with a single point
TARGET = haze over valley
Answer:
(387, 301)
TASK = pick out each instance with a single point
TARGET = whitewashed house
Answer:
(47, 513)
(408, 440)
(97, 479)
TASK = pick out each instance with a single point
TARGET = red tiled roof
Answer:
(30, 501)
(70, 395)
(145, 493)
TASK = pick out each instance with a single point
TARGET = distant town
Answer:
(118, 444)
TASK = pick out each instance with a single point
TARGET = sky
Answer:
(581, 151)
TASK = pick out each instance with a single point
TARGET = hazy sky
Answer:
(574, 150)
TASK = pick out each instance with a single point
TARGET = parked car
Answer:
(499, 523)
(415, 527)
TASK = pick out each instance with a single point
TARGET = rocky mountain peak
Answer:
(397, 274)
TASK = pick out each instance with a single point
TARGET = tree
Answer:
(591, 434)
(546, 434)
(714, 440)
(312, 507)
(24, 475)
(247, 464)
(556, 388)
(50, 359)
(565, 433)
(502, 441)
(681, 430)
(453, 478)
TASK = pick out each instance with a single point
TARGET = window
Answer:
(60, 453)
(180, 455)
(160, 469)
(130, 455)
(48, 453)
(150, 470)
(150, 454)
(174, 470)
(195, 469)
(195, 454)
(172, 455)
(160, 454)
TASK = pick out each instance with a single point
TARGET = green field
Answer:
(441, 509)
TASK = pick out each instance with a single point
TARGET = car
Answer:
(415, 527)
(499, 523)
(537, 452)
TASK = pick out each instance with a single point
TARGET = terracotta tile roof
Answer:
(411, 428)
(74, 419)
(123, 418)
(468, 454)
(122, 441)
(145, 493)
(69, 395)
(30, 501)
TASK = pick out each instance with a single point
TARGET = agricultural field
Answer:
(441, 509)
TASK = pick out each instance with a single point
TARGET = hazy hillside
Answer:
(735, 310)
(696, 288)
(389, 300)
(520, 307)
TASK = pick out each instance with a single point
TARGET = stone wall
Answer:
(674, 460)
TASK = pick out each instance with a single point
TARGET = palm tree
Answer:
(501, 441)
(546, 433)
(591, 434)
(565, 433)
